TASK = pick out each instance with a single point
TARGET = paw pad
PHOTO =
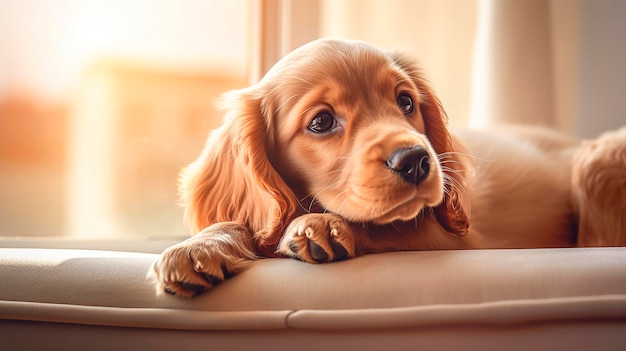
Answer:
(319, 254)
(318, 238)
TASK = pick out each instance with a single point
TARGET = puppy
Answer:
(343, 150)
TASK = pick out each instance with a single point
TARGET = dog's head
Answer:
(335, 126)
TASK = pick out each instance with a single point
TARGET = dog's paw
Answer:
(197, 264)
(318, 238)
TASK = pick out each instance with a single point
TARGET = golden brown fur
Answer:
(341, 150)
(600, 190)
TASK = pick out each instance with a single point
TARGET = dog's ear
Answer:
(450, 212)
(233, 179)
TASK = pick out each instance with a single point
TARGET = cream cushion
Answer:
(401, 299)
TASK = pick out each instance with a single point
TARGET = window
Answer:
(102, 103)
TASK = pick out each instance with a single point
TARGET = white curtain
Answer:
(555, 63)
(491, 61)
(524, 63)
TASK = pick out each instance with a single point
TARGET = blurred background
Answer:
(102, 102)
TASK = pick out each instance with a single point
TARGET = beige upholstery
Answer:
(571, 299)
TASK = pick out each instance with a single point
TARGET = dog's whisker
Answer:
(393, 224)
(302, 206)
(452, 170)
(339, 208)
(449, 179)
(448, 172)
(314, 196)
(337, 183)
(450, 159)
(372, 209)
(449, 154)
(460, 188)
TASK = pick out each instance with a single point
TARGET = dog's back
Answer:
(520, 190)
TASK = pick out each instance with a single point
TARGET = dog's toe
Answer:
(203, 261)
(320, 255)
(294, 247)
(211, 278)
(318, 238)
(194, 289)
(317, 253)
(339, 251)
(184, 289)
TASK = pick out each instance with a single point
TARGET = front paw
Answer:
(317, 238)
(199, 263)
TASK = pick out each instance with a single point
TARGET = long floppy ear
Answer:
(450, 212)
(233, 180)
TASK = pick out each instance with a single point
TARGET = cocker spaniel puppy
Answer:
(343, 150)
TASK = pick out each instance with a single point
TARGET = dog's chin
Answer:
(395, 217)
(405, 212)
(386, 214)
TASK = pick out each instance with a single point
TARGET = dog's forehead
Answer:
(329, 59)
(349, 68)
(330, 49)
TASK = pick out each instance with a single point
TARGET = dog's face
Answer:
(347, 132)
(335, 126)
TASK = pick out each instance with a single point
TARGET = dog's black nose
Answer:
(413, 164)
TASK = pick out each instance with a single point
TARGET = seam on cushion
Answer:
(593, 308)
(158, 318)
(288, 316)
(508, 312)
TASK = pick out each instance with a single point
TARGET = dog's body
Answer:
(343, 150)
(520, 193)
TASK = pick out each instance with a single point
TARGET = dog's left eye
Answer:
(405, 103)
(323, 122)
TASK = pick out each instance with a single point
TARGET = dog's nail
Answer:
(212, 279)
(339, 251)
(195, 288)
(293, 246)
(308, 232)
(334, 232)
(169, 291)
(317, 253)
(227, 273)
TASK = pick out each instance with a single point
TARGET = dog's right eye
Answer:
(323, 122)
(405, 102)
